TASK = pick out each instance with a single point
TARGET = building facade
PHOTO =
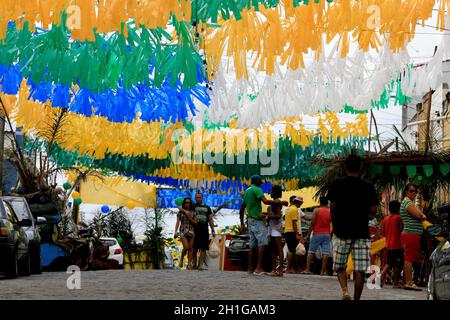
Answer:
(435, 106)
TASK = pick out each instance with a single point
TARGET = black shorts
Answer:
(291, 241)
(395, 258)
(201, 239)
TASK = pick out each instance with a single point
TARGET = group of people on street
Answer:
(265, 225)
(340, 226)
(192, 223)
(319, 230)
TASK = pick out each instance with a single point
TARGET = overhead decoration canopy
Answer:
(123, 77)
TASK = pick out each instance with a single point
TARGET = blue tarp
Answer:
(49, 252)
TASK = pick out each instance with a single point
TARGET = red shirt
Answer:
(392, 226)
(323, 221)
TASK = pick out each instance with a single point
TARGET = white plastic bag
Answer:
(285, 250)
(214, 250)
(300, 250)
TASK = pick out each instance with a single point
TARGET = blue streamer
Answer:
(231, 187)
(119, 105)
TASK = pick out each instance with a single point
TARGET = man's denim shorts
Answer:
(258, 233)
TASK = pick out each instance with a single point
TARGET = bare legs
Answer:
(342, 277)
(187, 248)
(277, 250)
(259, 254)
(359, 283)
(291, 267)
(259, 266)
(408, 269)
(384, 273)
(309, 260)
(201, 260)
(194, 257)
(251, 259)
(324, 270)
(190, 253)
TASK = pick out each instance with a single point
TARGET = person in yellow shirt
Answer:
(291, 232)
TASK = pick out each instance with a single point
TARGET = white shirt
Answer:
(301, 214)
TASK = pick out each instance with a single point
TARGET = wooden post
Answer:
(427, 130)
(376, 129)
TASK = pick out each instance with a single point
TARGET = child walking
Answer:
(391, 228)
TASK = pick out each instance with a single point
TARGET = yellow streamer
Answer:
(96, 136)
(274, 32)
(83, 16)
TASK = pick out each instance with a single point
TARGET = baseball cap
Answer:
(298, 198)
(255, 178)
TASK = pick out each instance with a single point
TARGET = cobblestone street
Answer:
(187, 285)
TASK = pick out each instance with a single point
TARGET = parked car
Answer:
(439, 279)
(115, 251)
(14, 250)
(237, 253)
(23, 212)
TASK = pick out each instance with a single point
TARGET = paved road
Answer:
(171, 284)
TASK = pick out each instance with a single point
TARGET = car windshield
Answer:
(21, 209)
(109, 243)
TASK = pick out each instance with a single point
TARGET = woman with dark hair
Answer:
(275, 230)
(412, 231)
(185, 222)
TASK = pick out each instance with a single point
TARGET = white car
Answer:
(115, 251)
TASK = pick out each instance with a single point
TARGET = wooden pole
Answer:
(370, 133)
(427, 130)
(376, 128)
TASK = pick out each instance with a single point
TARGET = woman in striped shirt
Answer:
(412, 231)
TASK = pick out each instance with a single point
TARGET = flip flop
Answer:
(412, 288)
(259, 273)
(306, 272)
(346, 297)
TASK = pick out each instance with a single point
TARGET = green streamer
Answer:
(51, 57)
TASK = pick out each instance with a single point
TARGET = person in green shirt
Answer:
(412, 232)
(257, 229)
